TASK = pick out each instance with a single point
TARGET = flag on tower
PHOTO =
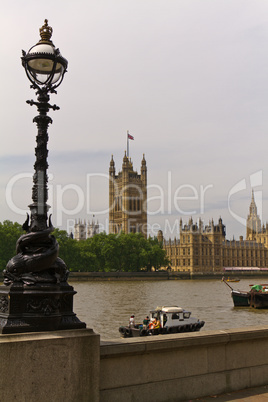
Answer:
(130, 136)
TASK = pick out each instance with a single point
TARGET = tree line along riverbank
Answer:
(110, 257)
(101, 253)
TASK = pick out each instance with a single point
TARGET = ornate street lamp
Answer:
(45, 68)
(37, 296)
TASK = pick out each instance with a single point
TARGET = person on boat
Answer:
(146, 322)
(152, 324)
(131, 323)
(157, 324)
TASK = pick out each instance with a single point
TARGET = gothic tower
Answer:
(80, 230)
(92, 229)
(128, 198)
(253, 220)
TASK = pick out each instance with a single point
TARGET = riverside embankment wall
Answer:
(160, 275)
(184, 366)
(73, 366)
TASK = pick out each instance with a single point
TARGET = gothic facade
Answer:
(85, 230)
(205, 249)
(128, 198)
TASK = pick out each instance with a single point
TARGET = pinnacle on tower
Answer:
(143, 162)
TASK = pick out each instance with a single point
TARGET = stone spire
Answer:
(253, 206)
(253, 220)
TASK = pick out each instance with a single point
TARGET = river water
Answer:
(106, 305)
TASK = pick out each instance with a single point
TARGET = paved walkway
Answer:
(259, 394)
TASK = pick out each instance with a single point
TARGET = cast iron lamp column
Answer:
(37, 296)
(45, 68)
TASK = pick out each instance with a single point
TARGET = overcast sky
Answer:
(187, 78)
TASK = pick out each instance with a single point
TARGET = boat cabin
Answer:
(170, 316)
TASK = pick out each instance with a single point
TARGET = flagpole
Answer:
(127, 144)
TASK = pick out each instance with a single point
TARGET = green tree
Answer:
(9, 234)
(87, 261)
(96, 244)
(123, 252)
(68, 249)
(154, 255)
(131, 246)
(112, 253)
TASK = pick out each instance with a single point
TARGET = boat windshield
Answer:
(186, 314)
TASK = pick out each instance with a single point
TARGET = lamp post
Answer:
(37, 296)
(45, 68)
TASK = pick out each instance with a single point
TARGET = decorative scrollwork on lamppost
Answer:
(37, 292)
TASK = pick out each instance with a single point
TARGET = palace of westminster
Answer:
(199, 248)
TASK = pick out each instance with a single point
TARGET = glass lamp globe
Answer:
(44, 65)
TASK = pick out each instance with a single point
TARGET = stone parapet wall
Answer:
(72, 366)
(183, 366)
(50, 366)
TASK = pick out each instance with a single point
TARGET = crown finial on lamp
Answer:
(45, 33)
